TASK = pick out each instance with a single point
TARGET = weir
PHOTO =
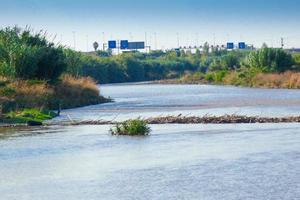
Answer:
(180, 119)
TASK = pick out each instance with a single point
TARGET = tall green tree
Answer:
(270, 60)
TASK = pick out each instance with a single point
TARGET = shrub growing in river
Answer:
(135, 127)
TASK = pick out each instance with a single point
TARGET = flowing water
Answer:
(233, 161)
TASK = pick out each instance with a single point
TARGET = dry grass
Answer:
(20, 94)
(231, 79)
(70, 92)
(74, 92)
(83, 82)
(36, 90)
(290, 80)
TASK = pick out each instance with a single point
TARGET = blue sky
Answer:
(194, 21)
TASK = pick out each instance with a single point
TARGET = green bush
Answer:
(29, 115)
(209, 77)
(7, 91)
(28, 55)
(219, 76)
(270, 60)
(135, 127)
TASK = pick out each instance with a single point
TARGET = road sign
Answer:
(136, 45)
(242, 45)
(124, 44)
(112, 44)
(230, 45)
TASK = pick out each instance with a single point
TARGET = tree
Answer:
(107, 53)
(134, 68)
(95, 45)
(206, 48)
(230, 61)
(29, 55)
(270, 60)
(74, 62)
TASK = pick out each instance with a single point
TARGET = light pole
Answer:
(87, 43)
(74, 40)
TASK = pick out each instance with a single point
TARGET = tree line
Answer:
(28, 55)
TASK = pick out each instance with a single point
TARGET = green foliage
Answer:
(209, 77)
(216, 77)
(130, 67)
(7, 91)
(133, 67)
(28, 55)
(158, 65)
(3, 83)
(206, 48)
(296, 58)
(135, 127)
(29, 115)
(24, 54)
(230, 61)
(104, 53)
(74, 62)
(270, 60)
(156, 54)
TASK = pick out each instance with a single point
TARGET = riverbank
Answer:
(29, 100)
(287, 80)
(36, 73)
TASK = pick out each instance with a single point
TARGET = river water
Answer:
(233, 161)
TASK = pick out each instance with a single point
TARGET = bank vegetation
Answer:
(36, 73)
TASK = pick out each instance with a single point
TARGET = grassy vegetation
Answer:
(34, 75)
(135, 127)
(216, 66)
(130, 67)
(28, 115)
(267, 67)
(73, 92)
(288, 80)
(67, 92)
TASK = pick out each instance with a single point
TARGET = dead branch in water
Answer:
(225, 119)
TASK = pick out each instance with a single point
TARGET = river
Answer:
(229, 161)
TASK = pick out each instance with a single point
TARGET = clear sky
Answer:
(193, 21)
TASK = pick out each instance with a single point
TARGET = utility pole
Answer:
(150, 42)
(178, 44)
(146, 42)
(282, 43)
(87, 43)
(103, 39)
(155, 40)
(197, 39)
(74, 40)
(214, 39)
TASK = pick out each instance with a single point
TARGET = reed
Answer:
(134, 127)
(290, 80)
(74, 92)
